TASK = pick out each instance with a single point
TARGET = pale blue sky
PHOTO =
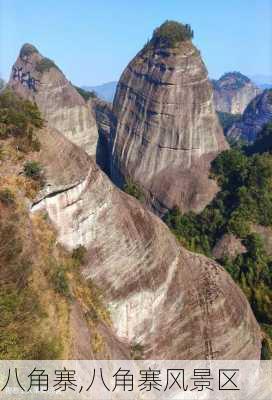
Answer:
(92, 41)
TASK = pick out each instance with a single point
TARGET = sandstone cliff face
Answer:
(233, 92)
(39, 79)
(167, 130)
(256, 115)
(176, 304)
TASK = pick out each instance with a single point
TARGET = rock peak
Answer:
(233, 92)
(233, 80)
(170, 34)
(29, 53)
(27, 50)
(38, 78)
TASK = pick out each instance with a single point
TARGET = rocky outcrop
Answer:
(233, 92)
(38, 78)
(167, 131)
(175, 304)
(256, 115)
(228, 246)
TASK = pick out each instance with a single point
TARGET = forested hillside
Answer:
(244, 201)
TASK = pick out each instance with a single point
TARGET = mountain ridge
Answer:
(105, 90)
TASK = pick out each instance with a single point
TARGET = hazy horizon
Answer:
(93, 43)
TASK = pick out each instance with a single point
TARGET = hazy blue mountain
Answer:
(264, 86)
(105, 91)
(262, 81)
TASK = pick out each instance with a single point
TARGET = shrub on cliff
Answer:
(19, 119)
(7, 197)
(60, 281)
(134, 190)
(45, 64)
(79, 255)
(170, 33)
(86, 94)
(32, 169)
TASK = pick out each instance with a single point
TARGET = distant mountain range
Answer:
(263, 81)
(105, 91)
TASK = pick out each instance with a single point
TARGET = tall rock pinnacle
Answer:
(167, 130)
(39, 79)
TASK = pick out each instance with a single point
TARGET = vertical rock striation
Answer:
(38, 78)
(167, 131)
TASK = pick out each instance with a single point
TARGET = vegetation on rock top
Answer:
(231, 80)
(27, 50)
(45, 64)
(171, 33)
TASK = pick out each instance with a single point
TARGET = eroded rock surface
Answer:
(37, 78)
(176, 304)
(228, 246)
(233, 92)
(167, 131)
(256, 115)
